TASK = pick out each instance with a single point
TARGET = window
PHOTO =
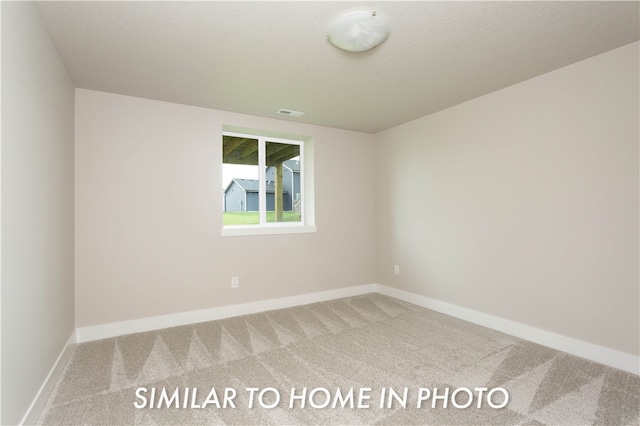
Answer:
(267, 184)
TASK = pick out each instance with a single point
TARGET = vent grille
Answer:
(290, 113)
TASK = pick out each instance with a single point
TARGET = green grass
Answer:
(252, 218)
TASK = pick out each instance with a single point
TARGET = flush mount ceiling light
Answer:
(358, 31)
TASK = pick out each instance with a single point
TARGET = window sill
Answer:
(240, 230)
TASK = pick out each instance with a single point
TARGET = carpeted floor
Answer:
(341, 352)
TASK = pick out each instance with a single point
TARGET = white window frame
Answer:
(306, 224)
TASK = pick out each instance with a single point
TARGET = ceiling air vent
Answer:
(290, 113)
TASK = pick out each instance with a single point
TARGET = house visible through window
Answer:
(263, 182)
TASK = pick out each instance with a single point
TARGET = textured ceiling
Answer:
(258, 57)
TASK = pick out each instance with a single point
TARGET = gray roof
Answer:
(294, 165)
(252, 185)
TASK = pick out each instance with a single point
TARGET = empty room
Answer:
(319, 212)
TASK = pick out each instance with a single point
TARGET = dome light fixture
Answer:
(358, 31)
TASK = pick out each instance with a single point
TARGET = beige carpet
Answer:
(337, 350)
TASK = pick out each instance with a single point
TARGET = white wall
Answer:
(37, 207)
(523, 203)
(149, 213)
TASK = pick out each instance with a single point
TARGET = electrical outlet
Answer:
(234, 282)
(396, 269)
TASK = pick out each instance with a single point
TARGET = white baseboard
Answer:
(590, 351)
(601, 354)
(97, 332)
(41, 398)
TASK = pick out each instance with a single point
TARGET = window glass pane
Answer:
(240, 183)
(284, 193)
